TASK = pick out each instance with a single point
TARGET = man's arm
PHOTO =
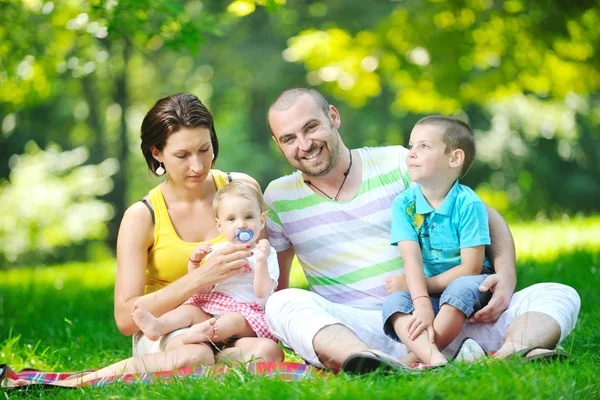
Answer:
(502, 255)
(285, 258)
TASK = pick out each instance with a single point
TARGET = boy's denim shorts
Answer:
(462, 293)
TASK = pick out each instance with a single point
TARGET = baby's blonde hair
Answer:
(239, 188)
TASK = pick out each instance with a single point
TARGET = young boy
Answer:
(441, 228)
(235, 307)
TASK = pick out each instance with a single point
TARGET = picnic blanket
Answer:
(286, 371)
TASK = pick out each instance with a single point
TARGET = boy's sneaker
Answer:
(469, 351)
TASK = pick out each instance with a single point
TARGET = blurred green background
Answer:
(77, 77)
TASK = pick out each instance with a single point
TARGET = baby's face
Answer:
(236, 213)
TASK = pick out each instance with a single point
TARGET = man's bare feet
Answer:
(202, 332)
(509, 349)
(147, 322)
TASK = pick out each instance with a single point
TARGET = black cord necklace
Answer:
(341, 186)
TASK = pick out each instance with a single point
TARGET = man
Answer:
(334, 213)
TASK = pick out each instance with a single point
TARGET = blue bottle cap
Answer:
(244, 235)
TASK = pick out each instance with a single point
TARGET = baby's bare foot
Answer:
(199, 333)
(147, 322)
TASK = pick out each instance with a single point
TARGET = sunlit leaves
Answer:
(241, 8)
(346, 63)
(441, 58)
(51, 201)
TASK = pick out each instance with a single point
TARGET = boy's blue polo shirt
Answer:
(460, 222)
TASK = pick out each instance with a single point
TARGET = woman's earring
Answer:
(213, 156)
(160, 170)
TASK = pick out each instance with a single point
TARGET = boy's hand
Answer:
(396, 284)
(422, 319)
(198, 255)
(263, 249)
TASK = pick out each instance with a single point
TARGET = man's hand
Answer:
(502, 291)
(396, 284)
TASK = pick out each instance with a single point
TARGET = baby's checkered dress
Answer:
(219, 303)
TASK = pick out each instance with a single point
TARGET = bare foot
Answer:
(20, 382)
(202, 332)
(505, 352)
(410, 358)
(438, 359)
(147, 322)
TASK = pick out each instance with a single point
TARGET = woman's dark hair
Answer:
(169, 115)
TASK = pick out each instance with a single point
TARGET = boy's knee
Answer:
(464, 286)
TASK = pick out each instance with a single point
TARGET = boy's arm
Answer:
(263, 283)
(471, 264)
(502, 255)
(422, 317)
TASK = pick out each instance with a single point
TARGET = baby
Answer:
(235, 307)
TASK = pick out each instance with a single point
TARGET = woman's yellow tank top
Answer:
(168, 256)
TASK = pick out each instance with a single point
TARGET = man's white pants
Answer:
(295, 316)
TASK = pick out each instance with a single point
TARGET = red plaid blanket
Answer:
(287, 371)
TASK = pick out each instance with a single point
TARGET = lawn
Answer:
(60, 318)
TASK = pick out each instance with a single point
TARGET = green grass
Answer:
(60, 318)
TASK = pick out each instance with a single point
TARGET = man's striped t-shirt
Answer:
(343, 246)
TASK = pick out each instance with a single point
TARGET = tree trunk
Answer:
(118, 195)
(96, 121)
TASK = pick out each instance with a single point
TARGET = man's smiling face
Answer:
(306, 137)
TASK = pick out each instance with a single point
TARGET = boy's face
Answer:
(236, 212)
(427, 159)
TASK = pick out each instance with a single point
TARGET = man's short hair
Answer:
(289, 97)
(239, 188)
(456, 135)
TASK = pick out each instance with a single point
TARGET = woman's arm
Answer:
(135, 237)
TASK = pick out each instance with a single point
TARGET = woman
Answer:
(157, 236)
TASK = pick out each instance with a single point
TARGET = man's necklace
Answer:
(341, 186)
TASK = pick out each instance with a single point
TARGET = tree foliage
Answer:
(82, 73)
(51, 201)
(526, 74)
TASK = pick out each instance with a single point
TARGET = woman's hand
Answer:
(222, 265)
